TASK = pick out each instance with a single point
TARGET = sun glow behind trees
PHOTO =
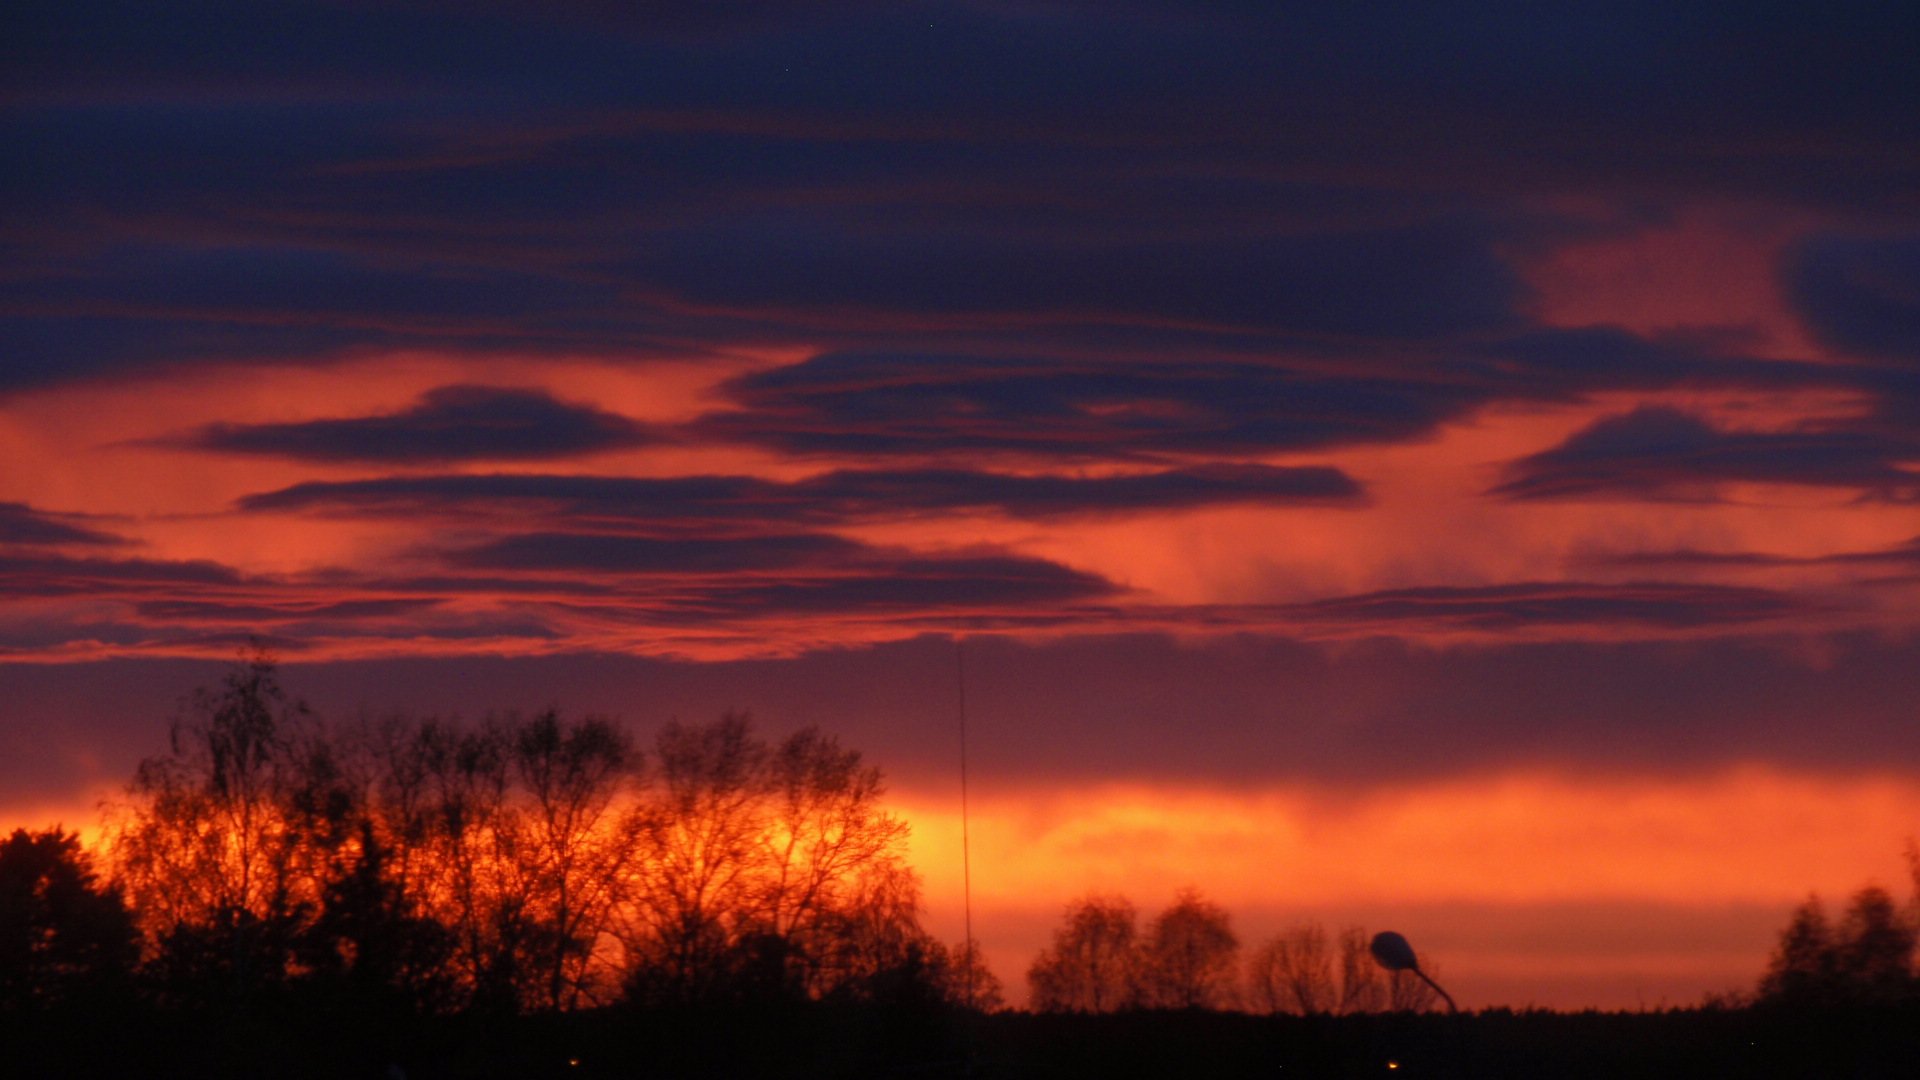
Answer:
(1547, 887)
(533, 863)
(521, 862)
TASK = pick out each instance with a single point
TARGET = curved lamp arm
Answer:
(1391, 951)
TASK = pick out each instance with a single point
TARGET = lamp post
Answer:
(1392, 952)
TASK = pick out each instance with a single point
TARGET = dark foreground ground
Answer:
(871, 1042)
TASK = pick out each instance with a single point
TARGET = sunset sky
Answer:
(1448, 470)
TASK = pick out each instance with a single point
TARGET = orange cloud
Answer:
(1706, 268)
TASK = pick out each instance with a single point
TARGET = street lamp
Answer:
(1392, 952)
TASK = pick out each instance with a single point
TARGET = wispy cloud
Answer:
(452, 423)
(839, 497)
(1657, 452)
(22, 525)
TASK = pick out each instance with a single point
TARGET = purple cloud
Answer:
(22, 525)
(844, 496)
(1659, 453)
(452, 423)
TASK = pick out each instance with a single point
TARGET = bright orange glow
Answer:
(88, 447)
(1246, 554)
(1468, 485)
(1752, 838)
(1526, 888)
(81, 816)
(91, 448)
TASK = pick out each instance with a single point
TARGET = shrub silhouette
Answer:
(64, 938)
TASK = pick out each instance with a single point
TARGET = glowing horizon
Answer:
(1393, 455)
(1464, 861)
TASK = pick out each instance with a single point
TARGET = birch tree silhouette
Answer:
(1091, 964)
(1190, 956)
(517, 863)
(209, 843)
(1302, 971)
(1292, 972)
(773, 869)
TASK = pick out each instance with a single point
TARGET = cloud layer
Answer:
(1399, 433)
(588, 331)
(1656, 452)
(450, 423)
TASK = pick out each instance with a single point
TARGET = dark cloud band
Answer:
(846, 496)
(1523, 605)
(452, 423)
(1656, 452)
(22, 525)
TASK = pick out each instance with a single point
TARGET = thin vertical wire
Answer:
(966, 845)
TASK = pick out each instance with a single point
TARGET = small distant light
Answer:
(573, 1061)
(1393, 1064)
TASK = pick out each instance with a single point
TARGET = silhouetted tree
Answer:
(517, 863)
(834, 873)
(1867, 959)
(755, 856)
(1092, 964)
(700, 831)
(371, 944)
(1876, 948)
(514, 834)
(872, 937)
(1190, 957)
(64, 937)
(1912, 854)
(1802, 966)
(578, 841)
(1298, 971)
(455, 780)
(1362, 990)
(967, 981)
(1292, 972)
(213, 843)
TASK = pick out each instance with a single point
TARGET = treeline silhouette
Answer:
(1189, 957)
(1867, 959)
(276, 895)
(519, 864)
